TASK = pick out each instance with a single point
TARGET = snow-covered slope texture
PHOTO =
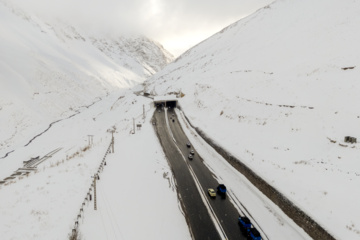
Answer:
(49, 70)
(135, 183)
(280, 90)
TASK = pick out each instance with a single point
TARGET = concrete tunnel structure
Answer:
(168, 101)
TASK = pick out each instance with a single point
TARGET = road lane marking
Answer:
(199, 188)
(236, 202)
(168, 126)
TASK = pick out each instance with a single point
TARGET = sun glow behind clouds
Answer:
(155, 7)
(178, 25)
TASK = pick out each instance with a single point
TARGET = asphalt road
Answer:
(196, 213)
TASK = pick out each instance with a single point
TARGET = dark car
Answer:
(188, 144)
(222, 190)
(192, 152)
(254, 234)
(190, 157)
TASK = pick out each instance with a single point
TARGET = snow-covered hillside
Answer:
(280, 91)
(133, 184)
(49, 70)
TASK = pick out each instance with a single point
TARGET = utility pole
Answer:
(90, 140)
(133, 125)
(112, 141)
(143, 111)
(95, 192)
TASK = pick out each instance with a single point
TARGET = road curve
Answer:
(200, 222)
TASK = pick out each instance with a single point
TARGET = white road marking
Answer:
(198, 186)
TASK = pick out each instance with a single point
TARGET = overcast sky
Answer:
(177, 25)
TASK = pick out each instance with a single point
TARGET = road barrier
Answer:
(88, 196)
(312, 228)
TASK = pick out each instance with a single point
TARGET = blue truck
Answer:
(248, 230)
(222, 190)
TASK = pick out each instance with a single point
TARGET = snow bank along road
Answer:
(207, 218)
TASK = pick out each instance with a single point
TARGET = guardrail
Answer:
(312, 228)
(88, 196)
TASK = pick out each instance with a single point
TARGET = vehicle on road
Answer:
(188, 144)
(190, 156)
(254, 234)
(244, 224)
(222, 190)
(212, 192)
(248, 230)
(192, 152)
(173, 120)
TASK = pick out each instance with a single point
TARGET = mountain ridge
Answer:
(279, 91)
(48, 70)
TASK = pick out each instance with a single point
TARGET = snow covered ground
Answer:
(50, 70)
(135, 194)
(280, 91)
(249, 201)
(136, 198)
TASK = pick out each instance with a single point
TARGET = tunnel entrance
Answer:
(165, 101)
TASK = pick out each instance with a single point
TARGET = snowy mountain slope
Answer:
(45, 204)
(269, 88)
(50, 70)
(145, 56)
(280, 90)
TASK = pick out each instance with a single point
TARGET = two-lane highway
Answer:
(196, 214)
(201, 222)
